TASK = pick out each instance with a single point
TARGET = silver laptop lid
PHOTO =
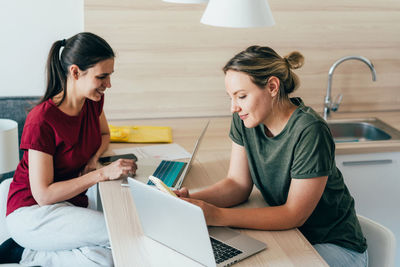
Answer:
(195, 149)
(173, 222)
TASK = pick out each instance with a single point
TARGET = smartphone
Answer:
(109, 159)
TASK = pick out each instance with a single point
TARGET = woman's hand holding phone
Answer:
(118, 169)
(108, 159)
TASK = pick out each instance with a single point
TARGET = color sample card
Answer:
(169, 172)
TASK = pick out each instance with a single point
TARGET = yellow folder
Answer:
(141, 134)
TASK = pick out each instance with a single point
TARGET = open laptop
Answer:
(172, 173)
(181, 226)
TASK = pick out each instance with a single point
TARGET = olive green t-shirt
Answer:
(304, 149)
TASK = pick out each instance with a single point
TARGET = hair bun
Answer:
(295, 60)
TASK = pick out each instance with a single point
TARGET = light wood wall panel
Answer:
(169, 64)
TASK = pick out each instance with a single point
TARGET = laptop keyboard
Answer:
(223, 252)
(168, 171)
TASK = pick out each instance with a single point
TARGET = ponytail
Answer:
(56, 76)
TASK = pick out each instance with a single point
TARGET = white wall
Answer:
(27, 30)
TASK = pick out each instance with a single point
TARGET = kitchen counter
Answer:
(390, 117)
(370, 172)
(219, 126)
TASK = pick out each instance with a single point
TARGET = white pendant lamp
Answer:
(186, 1)
(238, 13)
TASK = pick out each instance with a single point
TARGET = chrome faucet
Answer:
(328, 104)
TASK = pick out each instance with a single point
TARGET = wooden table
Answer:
(131, 248)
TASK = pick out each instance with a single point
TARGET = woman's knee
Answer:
(57, 227)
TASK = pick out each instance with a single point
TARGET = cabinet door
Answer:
(374, 182)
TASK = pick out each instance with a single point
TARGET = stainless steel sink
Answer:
(360, 130)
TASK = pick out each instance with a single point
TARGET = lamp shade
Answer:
(186, 1)
(238, 13)
(9, 155)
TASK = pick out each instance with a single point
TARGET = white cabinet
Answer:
(374, 182)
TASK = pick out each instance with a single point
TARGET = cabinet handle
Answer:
(367, 162)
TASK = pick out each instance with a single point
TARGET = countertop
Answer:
(392, 118)
(220, 126)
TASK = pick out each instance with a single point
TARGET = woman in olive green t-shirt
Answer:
(286, 150)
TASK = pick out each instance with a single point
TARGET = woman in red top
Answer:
(63, 137)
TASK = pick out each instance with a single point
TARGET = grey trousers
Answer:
(337, 256)
(60, 235)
